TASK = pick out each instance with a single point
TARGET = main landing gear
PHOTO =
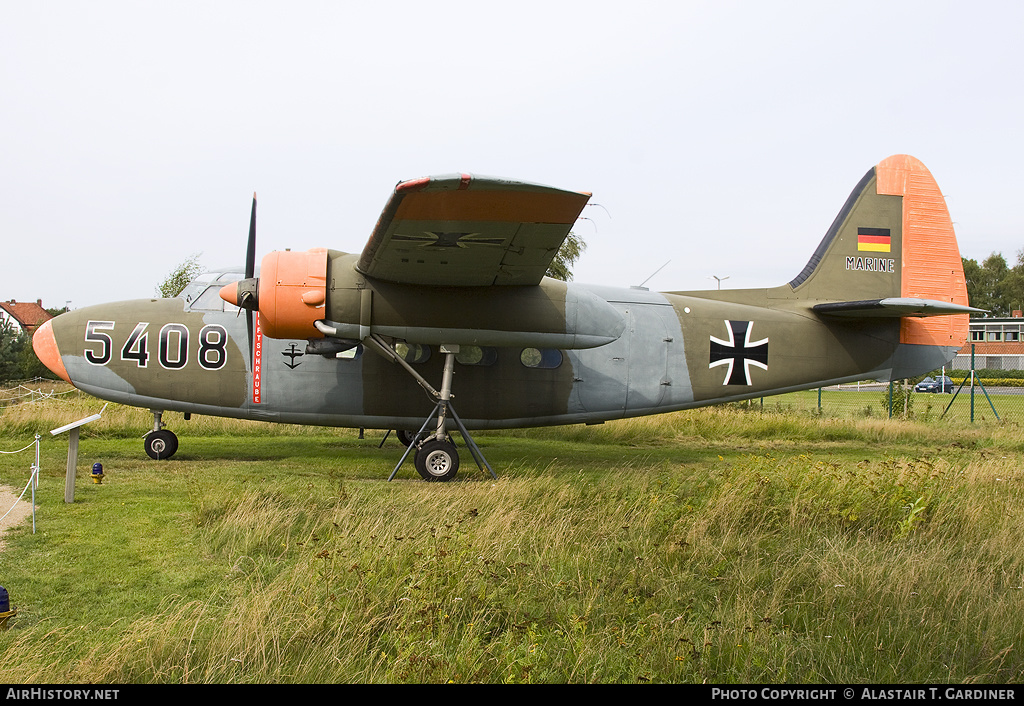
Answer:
(436, 458)
(160, 443)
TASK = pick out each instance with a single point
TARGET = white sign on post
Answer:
(73, 427)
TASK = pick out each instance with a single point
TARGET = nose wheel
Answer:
(160, 443)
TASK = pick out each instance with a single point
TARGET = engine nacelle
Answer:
(292, 298)
(293, 293)
(290, 293)
(552, 314)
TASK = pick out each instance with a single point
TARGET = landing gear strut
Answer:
(436, 457)
(160, 443)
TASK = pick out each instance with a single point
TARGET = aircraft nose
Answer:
(45, 346)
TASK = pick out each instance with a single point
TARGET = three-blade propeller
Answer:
(245, 293)
(249, 297)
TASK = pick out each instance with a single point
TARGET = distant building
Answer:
(998, 344)
(24, 316)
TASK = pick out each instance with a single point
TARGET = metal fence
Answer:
(971, 398)
(898, 400)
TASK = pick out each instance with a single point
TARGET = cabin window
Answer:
(541, 358)
(476, 355)
(412, 352)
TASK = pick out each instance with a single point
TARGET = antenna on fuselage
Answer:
(641, 285)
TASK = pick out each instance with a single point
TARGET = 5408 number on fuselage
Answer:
(173, 350)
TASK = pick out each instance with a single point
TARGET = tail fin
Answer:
(892, 252)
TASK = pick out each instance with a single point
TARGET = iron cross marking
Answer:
(739, 353)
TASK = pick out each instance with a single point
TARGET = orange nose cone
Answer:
(45, 346)
(229, 293)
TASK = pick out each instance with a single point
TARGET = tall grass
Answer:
(39, 414)
(716, 545)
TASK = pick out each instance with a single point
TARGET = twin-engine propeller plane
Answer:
(452, 280)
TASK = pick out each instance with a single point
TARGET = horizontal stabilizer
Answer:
(893, 307)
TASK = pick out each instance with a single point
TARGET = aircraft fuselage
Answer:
(673, 351)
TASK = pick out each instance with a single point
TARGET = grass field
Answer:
(722, 545)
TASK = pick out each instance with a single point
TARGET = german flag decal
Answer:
(874, 239)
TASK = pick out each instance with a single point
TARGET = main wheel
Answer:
(404, 436)
(437, 460)
(161, 444)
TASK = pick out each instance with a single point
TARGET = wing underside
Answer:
(469, 231)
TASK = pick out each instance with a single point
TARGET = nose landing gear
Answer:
(160, 443)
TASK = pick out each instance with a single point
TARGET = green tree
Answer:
(179, 277)
(1013, 285)
(898, 399)
(561, 266)
(17, 359)
(10, 352)
(990, 285)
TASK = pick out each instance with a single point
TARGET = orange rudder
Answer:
(932, 267)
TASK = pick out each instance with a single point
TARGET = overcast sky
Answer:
(720, 136)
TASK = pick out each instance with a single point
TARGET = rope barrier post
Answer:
(32, 482)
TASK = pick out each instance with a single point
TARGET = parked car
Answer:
(940, 384)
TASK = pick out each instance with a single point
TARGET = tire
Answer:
(404, 436)
(161, 444)
(437, 461)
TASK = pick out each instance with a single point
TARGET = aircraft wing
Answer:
(469, 231)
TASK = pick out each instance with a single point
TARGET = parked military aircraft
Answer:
(452, 279)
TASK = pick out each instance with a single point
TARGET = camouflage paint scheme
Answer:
(882, 297)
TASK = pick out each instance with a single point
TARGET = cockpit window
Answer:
(196, 287)
(203, 293)
(210, 301)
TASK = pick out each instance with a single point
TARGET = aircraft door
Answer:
(630, 373)
(648, 360)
